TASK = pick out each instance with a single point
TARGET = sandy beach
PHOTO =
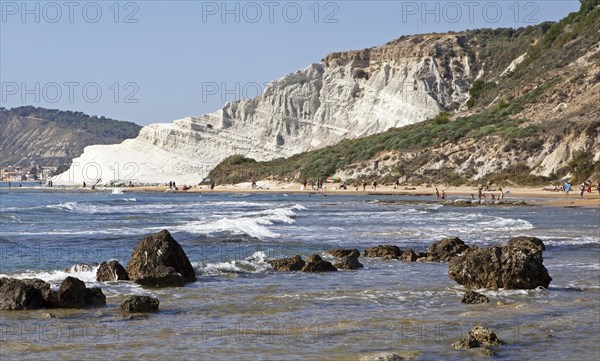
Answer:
(532, 195)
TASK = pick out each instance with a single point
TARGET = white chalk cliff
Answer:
(346, 95)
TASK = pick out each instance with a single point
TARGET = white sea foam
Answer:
(256, 263)
(117, 191)
(251, 223)
(55, 277)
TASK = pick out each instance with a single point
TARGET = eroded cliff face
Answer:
(346, 95)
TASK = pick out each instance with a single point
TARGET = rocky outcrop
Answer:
(295, 263)
(445, 250)
(518, 265)
(111, 271)
(315, 263)
(140, 304)
(472, 297)
(349, 263)
(159, 261)
(339, 253)
(30, 294)
(385, 251)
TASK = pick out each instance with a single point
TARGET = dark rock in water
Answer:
(159, 261)
(73, 294)
(295, 263)
(479, 336)
(511, 267)
(111, 271)
(408, 256)
(527, 242)
(349, 263)
(385, 251)
(343, 252)
(445, 250)
(474, 297)
(161, 276)
(140, 304)
(24, 294)
(315, 263)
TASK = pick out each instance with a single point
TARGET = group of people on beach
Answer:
(567, 187)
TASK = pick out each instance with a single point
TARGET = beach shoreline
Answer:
(531, 195)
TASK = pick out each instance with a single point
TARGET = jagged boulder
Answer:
(474, 297)
(315, 263)
(343, 252)
(73, 294)
(445, 249)
(26, 294)
(518, 265)
(159, 261)
(111, 271)
(385, 251)
(140, 304)
(349, 263)
(295, 263)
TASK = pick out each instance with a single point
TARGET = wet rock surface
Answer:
(315, 263)
(385, 251)
(295, 263)
(472, 297)
(111, 271)
(140, 304)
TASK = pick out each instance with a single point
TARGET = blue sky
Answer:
(156, 61)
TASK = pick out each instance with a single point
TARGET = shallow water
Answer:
(241, 309)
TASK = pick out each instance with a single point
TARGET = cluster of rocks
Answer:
(28, 294)
(498, 202)
(441, 251)
(348, 260)
(157, 261)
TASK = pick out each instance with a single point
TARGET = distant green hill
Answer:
(55, 137)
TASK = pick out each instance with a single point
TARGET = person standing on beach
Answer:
(567, 187)
(364, 184)
(84, 184)
(374, 185)
(437, 193)
(397, 185)
(582, 190)
(501, 194)
(443, 194)
(480, 194)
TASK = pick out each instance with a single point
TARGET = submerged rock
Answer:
(140, 304)
(383, 356)
(295, 263)
(479, 336)
(385, 251)
(474, 297)
(343, 252)
(518, 265)
(159, 261)
(315, 263)
(111, 271)
(349, 263)
(445, 249)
